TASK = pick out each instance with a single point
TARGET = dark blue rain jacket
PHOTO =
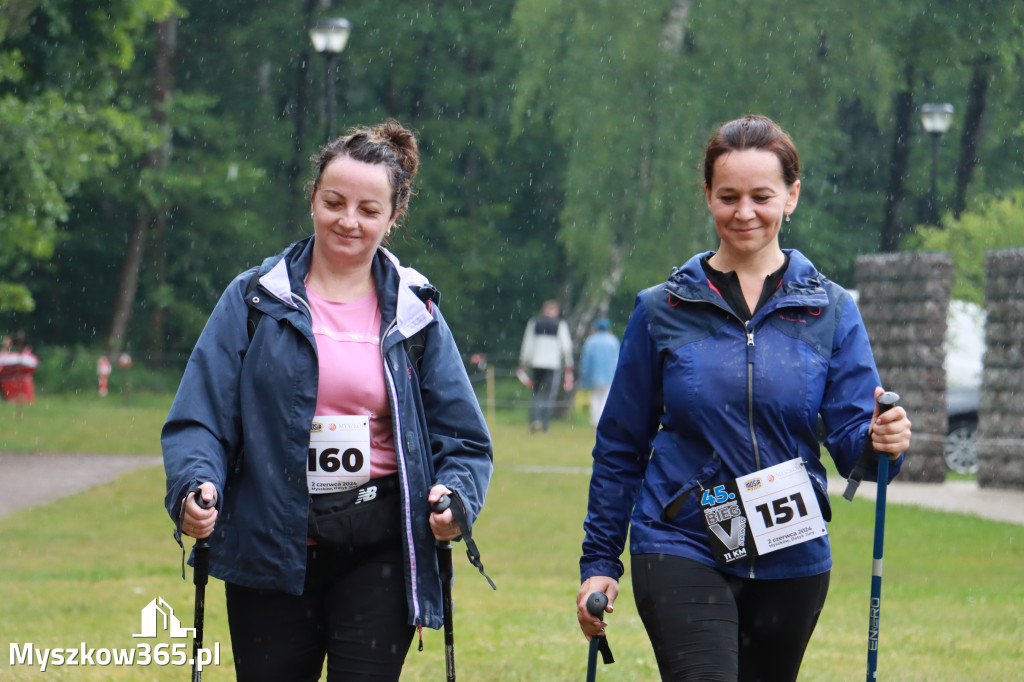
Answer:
(242, 415)
(700, 397)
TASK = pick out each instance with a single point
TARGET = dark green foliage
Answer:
(561, 143)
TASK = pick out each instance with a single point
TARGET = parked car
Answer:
(961, 444)
(965, 348)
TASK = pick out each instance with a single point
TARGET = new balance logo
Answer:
(367, 494)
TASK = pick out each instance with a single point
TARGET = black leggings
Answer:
(353, 610)
(709, 626)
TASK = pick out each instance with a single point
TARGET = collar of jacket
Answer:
(413, 307)
(802, 284)
(404, 295)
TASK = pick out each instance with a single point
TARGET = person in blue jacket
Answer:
(324, 407)
(706, 452)
(597, 366)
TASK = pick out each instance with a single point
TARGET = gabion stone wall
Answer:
(904, 300)
(1001, 413)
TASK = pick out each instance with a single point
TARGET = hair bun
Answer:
(388, 143)
(403, 142)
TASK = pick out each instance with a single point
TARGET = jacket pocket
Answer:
(674, 504)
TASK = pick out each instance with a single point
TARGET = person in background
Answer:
(324, 408)
(545, 351)
(10, 362)
(597, 366)
(723, 372)
(103, 370)
(17, 370)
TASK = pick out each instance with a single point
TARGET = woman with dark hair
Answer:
(325, 406)
(706, 451)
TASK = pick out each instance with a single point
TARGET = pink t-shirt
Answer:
(352, 371)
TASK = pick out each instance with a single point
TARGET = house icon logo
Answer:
(158, 615)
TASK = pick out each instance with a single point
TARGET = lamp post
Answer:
(935, 119)
(329, 37)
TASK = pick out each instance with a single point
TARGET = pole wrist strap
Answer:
(472, 552)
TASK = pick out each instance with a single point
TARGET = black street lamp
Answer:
(329, 37)
(935, 119)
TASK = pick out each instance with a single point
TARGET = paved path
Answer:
(960, 497)
(30, 479)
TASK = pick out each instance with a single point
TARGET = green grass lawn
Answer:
(80, 569)
(115, 425)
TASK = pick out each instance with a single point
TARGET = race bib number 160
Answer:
(339, 453)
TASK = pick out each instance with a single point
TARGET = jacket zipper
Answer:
(750, 393)
(750, 385)
(750, 408)
(400, 456)
(750, 372)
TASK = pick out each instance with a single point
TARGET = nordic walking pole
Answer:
(886, 402)
(596, 604)
(444, 566)
(200, 575)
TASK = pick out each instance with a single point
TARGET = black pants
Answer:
(545, 394)
(709, 626)
(353, 610)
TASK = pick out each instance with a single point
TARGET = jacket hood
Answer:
(284, 276)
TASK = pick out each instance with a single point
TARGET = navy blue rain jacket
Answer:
(700, 397)
(242, 415)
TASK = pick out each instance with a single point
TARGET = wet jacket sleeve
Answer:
(850, 393)
(459, 439)
(627, 428)
(203, 428)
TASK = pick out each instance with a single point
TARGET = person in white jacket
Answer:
(546, 350)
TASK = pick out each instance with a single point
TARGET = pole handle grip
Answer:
(443, 503)
(597, 602)
(887, 401)
(202, 543)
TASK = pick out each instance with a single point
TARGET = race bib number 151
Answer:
(761, 512)
(782, 508)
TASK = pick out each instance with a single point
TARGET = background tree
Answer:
(561, 143)
(846, 79)
(994, 223)
(59, 124)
